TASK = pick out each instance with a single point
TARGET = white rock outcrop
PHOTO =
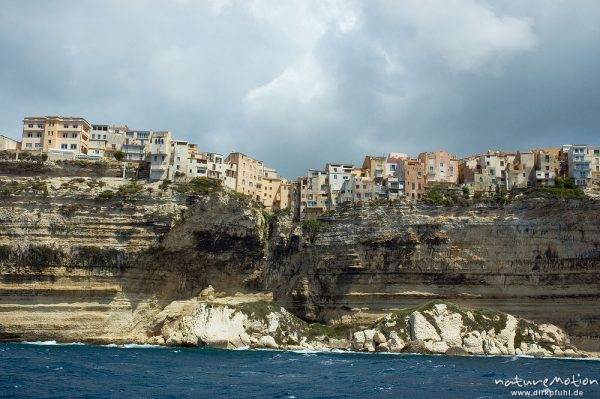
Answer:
(421, 329)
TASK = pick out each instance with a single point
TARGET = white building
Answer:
(159, 154)
(580, 164)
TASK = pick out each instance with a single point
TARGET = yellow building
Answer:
(247, 173)
(69, 134)
(374, 166)
(440, 167)
(275, 193)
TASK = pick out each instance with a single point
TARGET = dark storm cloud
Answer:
(300, 83)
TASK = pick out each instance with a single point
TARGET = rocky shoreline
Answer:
(80, 265)
(434, 328)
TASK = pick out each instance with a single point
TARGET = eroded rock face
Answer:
(135, 267)
(537, 258)
(97, 267)
(439, 328)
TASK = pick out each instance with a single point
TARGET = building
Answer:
(6, 143)
(486, 172)
(365, 188)
(414, 178)
(547, 166)
(179, 163)
(374, 166)
(394, 175)
(521, 170)
(440, 167)
(135, 145)
(275, 193)
(339, 176)
(159, 155)
(247, 172)
(314, 194)
(580, 168)
(594, 153)
(61, 133)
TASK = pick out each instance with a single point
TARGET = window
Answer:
(66, 126)
(30, 125)
(38, 145)
(29, 134)
(63, 146)
(73, 146)
(65, 135)
(74, 135)
(93, 136)
(28, 145)
(40, 126)
(75, 126)
(38, 135)
(49, 141)
(103, 137)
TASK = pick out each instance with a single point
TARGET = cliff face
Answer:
(537, 258)
(80, 264)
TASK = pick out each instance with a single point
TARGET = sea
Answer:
(50, 370)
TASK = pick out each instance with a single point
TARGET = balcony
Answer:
(159, 167)
(159, 149)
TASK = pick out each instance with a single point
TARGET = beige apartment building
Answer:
(275, 193)
(440, 167)
(414, 178)
(46, 133)
(247, 172)
(106, 139)
(594, 152)
(547, 165)
(159, 154)
(374, 166)
(6, 143)
(521, 171)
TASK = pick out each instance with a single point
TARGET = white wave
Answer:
(132, 346)
(51, 343)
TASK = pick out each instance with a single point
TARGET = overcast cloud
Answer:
(302, 83)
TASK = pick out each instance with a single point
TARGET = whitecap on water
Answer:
(51, 343)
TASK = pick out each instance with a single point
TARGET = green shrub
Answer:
(200, 185)
(440, 196)
(311, 228)
(165, 184)
(119, 155)
(129, 189)
(105, 195)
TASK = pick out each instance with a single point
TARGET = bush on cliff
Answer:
(131, 188)
(199, 185)
(443, 196)
(119, 155)
(563, 188)
(311, 228)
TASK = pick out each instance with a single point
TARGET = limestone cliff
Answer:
(536, 257)
(104, 260)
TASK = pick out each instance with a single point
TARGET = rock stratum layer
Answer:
(538, 258)
(79, 265)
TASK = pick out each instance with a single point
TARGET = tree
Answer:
(119, 155)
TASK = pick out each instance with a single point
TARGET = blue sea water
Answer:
(46, 370)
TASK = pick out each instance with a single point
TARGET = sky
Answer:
(301, 83)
